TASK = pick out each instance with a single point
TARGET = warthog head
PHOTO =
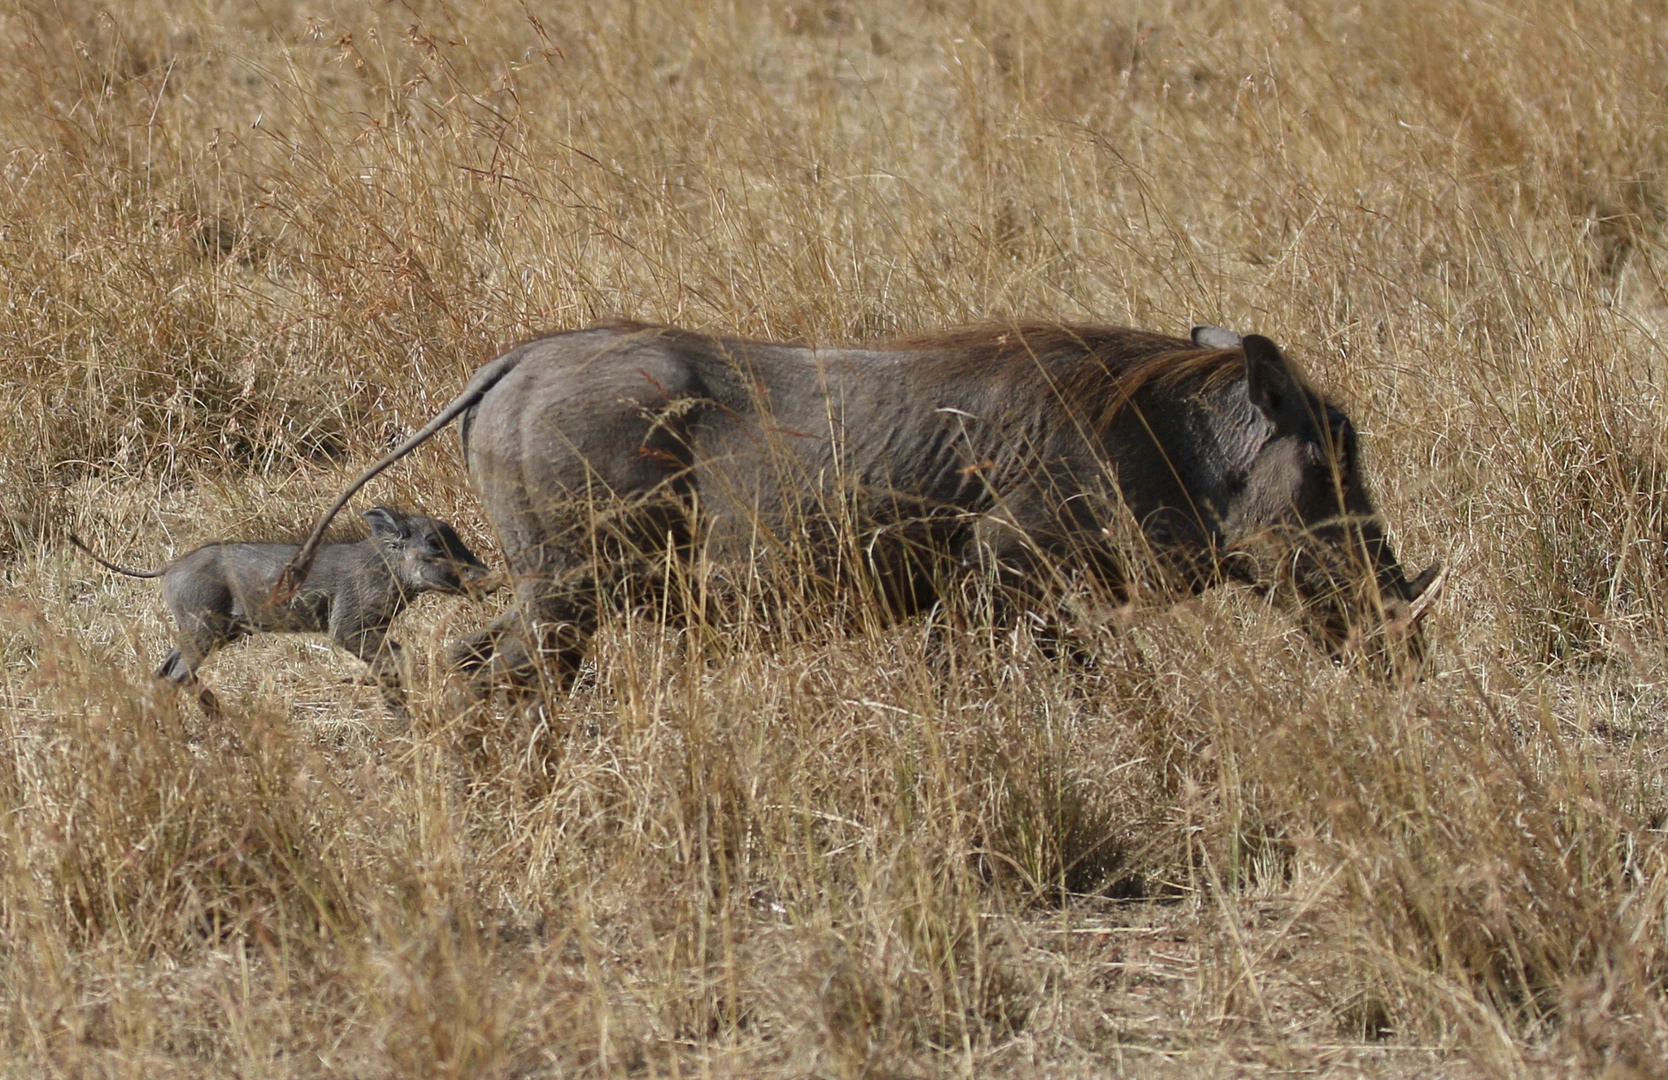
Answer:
(426, 554)
(1300, 521)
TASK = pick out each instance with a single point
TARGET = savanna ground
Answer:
(245, 247)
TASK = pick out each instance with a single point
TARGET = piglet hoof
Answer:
(210, 704)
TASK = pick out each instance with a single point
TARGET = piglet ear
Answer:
(1215, 337)
(386, 524)
(1270, 381)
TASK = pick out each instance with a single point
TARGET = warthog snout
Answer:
(1355, 618)
(1403, 617)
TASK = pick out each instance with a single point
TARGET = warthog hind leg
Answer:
(198, 636)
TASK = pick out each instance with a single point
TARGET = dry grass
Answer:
(245, 247)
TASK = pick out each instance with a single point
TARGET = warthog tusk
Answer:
(1425, 589)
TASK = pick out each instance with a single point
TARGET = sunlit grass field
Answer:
(246, 248)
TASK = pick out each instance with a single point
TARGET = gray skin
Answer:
(220, 593)
(596, 452)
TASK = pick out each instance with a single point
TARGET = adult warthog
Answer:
(1019, 457)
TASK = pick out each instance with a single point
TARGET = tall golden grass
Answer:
(245, 248)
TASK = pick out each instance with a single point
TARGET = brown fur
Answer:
(1074, 360)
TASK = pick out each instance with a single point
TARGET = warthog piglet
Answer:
(221, 592)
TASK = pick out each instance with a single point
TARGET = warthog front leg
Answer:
(382, 655)
(542, 637)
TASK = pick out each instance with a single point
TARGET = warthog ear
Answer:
(1269, 379)
(386, 524)
(1215, 337)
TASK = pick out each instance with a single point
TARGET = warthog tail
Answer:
(295, 571)
(108, 565)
